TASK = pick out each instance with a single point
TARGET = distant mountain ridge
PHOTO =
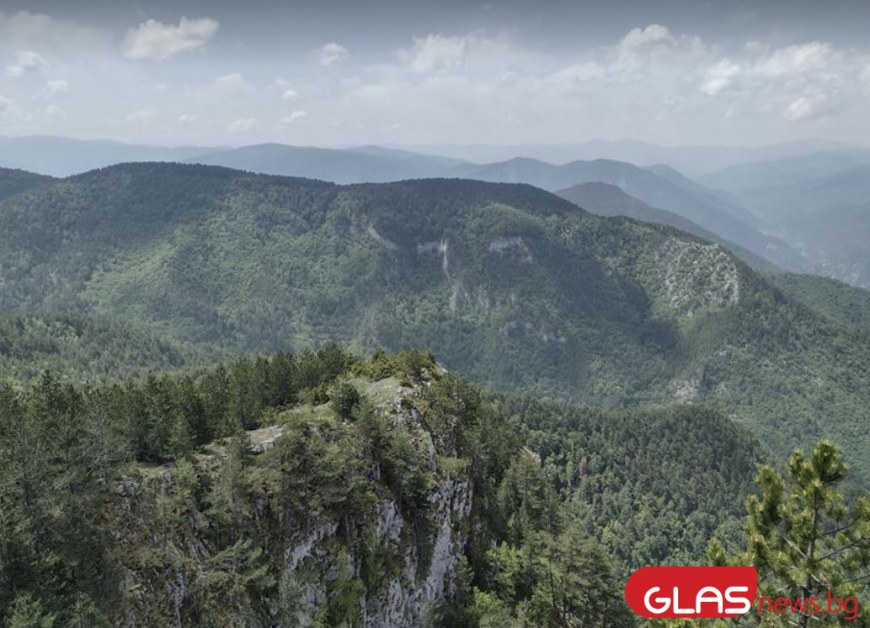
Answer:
(820, 204)
(696, 161)
(606, 199)
(356, 165)
(747, 218)
(64, 156)
(660, 186)
(674, 193)
(521, 289)
(16, 181)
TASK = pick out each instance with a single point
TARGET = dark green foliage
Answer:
(651, 485)
(65, 451)
(155, 476)
(527, 499)
(804, 538)
(25, 612)
(605, 199)
(400, 463)
(84, 349)
(16, 181)
(514, 287)
(558, 580)
(344, 399)
(842, 303)
(116, 505)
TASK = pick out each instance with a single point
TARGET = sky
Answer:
(341, 72)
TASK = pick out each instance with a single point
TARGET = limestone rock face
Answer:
(697, 275)
(416, 553)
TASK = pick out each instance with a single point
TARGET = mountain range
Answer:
(819, 204)
(518, 288)
(660, 186)
(606, 199)
(696, 161)
(356, 165)
(794, 209)
(63, 156)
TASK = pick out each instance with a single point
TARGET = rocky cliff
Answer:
(370, 548)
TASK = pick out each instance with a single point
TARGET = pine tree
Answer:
(802, 536)
(230, 496)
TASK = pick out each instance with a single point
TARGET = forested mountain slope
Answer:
(15, 181)
(322, 489)
(514, 286)
(606, 199)
(82, 349)
(841, 302)
(659, 187)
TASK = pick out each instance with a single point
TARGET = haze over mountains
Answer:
(804, 211)
(337, 314)
(819, 203)
(695, 161)
(354, 165)
(62, 156)
(510, 284)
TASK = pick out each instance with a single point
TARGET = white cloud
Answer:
(156, 41)
(5, 104)
(51, 89)
(578, 73)
(719, 77)
(56, 86)
(230, 80)
(651, 82)
(652, 35)
(285, 88)
(436, 52)
(294, 116)
(806, 107)
(142, 115)
(475, 53)
(25, 61)
(652, 53)
(59, 40)
(796, 59)
(242, 125)
(330, 53)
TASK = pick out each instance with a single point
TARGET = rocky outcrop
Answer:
(419, 549)
(696, 275)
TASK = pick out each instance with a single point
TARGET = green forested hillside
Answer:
(836, 300)
(658, 186)
(516, 287)
(606, 199)
(15, 181)
(653, 485)
(319, 488)
(82, 349)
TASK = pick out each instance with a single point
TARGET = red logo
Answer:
(692, 592)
